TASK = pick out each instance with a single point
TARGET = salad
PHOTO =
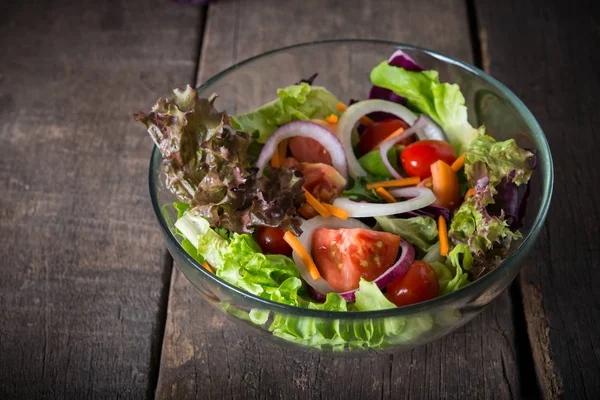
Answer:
(382, 203)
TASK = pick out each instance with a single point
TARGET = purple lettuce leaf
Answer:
(397, 59)
(207, 164)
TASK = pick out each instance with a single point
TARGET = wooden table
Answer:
(90, 304)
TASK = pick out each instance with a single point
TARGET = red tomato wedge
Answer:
(419, 284)
(417, 157)
(309, 150)
(445, 185)
(377, 132)
(343, 256)
(323, 181)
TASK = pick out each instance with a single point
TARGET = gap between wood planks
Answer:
(163, 303)
(529, 385)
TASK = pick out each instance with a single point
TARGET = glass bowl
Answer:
(344, 67)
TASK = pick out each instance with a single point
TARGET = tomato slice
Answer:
(445, 185)
(309, 150)
(271, 241)
(419, 284)
(322, 181)
(417, 157)
(378, 132)
(343, 256)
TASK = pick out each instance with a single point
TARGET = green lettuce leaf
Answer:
(497, 160)
(370, 298)
(443, 273)
(208, 165)
(474, 226)
(461, 278)
(418, 231)
(295, 102)
(357, 189)
(443, 102)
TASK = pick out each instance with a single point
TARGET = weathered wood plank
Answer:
(81, 259)
(554, 69)
(206, 355)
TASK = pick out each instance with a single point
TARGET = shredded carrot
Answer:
(458, 163)
(316, 204)
(394, 134)
(385, 194)
(336, 211)
(275, 161)
(282, 150)
(208, 268)
(470, 192)
(443, 232)
(395, 183)
(332, 119)
(341, 107)
(303, 254)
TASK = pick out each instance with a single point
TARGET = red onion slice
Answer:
(430, 130)
(422, 198)
(351, 116)
(385, 147)
(399, 269)
(309, 130)
(308, 227)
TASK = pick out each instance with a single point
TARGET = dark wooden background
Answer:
(90, 304)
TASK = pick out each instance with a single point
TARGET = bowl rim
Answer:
(439, 302)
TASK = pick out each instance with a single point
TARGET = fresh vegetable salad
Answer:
(317, 203)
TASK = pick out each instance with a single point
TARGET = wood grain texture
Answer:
(206, 355)
(81, 257)
(549, 58)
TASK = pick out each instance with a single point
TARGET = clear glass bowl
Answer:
(344, 67)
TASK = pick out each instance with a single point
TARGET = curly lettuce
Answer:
(443, 102)
(208, 165)
(497, 160)
(295, 102)
(488, 237)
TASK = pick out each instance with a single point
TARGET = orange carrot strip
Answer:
(275, 161)
(385, 194)
(341, 107)
(458, 163)
(316, 204)
(303, 254)
(336, 211)
(208, 268)
(282, 150)
(392, 135)
(332, 119)
(470, 192)
(443, 232)
(395, 183)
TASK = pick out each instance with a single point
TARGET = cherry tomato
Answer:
(271, 241)
(322, 181)
(445, 185)
(343, 256)
(417, 157)
(378, 132)
(419, 284)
